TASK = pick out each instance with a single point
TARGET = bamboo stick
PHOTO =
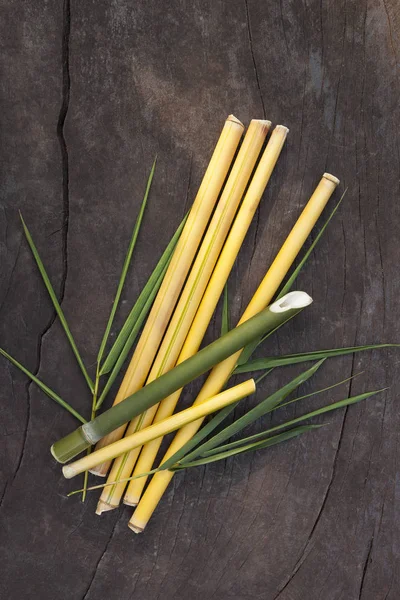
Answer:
(265, 321)
(191, 296)
(159, 429)
(210, 299)
(221, 372)
(175, 276)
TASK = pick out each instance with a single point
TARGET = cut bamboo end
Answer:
(234, 119)
(292, 300)
(120, 471)
(132, 503)
(104, 507)
(135, 528)
(99, 472)
(332, 178)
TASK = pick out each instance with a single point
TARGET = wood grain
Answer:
(91, 91)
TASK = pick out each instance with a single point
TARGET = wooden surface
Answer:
(90, 92)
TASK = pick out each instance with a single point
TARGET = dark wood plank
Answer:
(317, 517)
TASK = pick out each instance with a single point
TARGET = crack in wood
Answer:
(365, 567)
(253, 57)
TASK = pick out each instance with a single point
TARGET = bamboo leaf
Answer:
(126, 264)
(150, 289)
(252, 415)
(263, 375)
(198, 437)
(225, 312)
(249, 349)
(49, 392)
(56, 304)
(109, 483)
(289, 284)
(310, 415)
(277, 439)
(176, 467)
(290, 359)
(321, 391)
(120, 359)
(222, 414)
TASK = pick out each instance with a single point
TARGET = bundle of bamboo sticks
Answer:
(213, 234)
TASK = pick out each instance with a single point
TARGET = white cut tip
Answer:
(104, 507)
(292, 300)
(130, 502)
(332, 178)
(282, 129)
(135, 528)
(264, 122)
(99, 473)
(68, 471)
(233, 119)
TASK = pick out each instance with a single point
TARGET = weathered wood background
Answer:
(90, 92)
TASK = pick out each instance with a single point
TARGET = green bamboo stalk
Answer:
(184, 373)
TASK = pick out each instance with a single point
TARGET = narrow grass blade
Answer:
(225, 312)
(289, 284)
(249, 349)
(126, 264)
(56, 304)
(107, 484)
(263, 375)
(310, 415)
(252, 415)
(277, 439)
(49, 392)
(291, 359)
(131, 339)
(153, 283)
(177, 467)
(321, 391)
(198, 437)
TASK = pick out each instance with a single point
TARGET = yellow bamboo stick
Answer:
(175, 276)
(211, 297)
(174, 422)
(218, 376)
(191, 296)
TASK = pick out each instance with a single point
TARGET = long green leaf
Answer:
(153, 283)
(289, 284)
(310, 415)
(320, 391)
(252, 415)
(291, 359)
(56, 304)
(198, 437)
(49, 392)
(222, 414)
(176, 467)
(225, 312)
(277, 439)
(126, 264)
(131, 338)
(249, 349)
